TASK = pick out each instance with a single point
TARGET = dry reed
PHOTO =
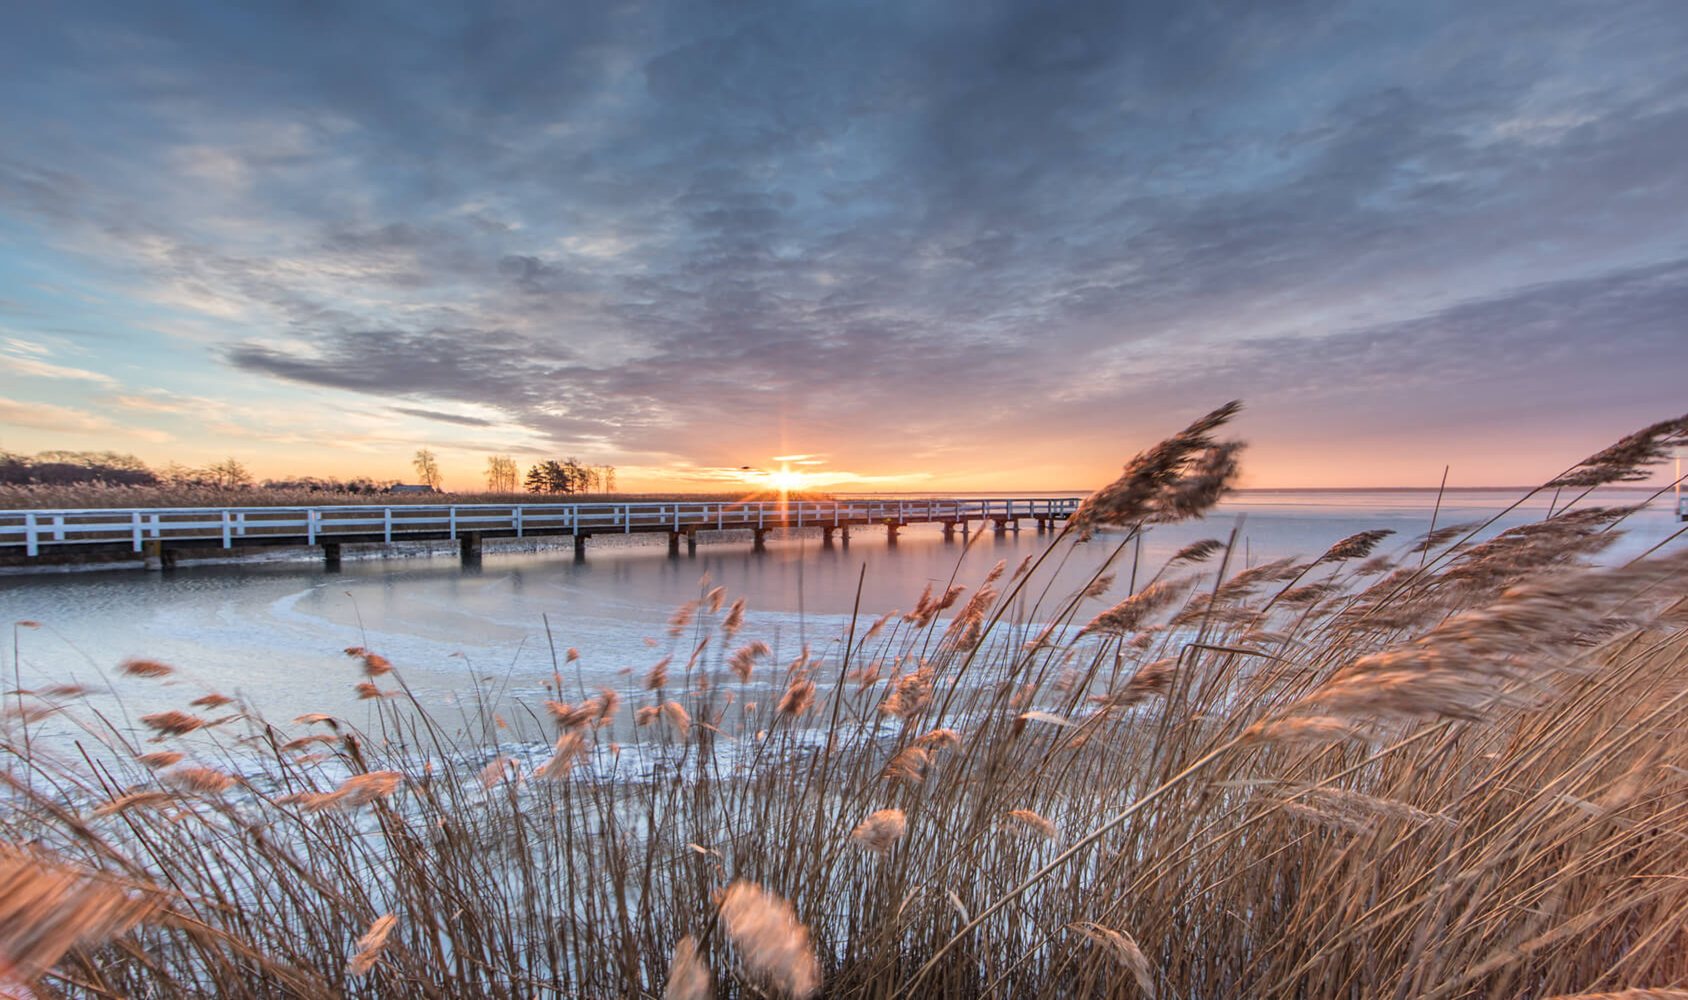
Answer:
(1449, 769)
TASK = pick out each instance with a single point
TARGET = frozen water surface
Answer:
(273, 632)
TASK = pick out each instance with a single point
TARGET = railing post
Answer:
(627, 519)
(58, 527)
(228, 542)
(135, 522)
(451, 522)
(30, 545)
(310, 525)
(152, 522)
(519, 527)
(387, 525)
(240, 523)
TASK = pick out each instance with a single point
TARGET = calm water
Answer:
(274, 631)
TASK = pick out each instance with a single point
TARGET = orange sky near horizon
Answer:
(1309, 459)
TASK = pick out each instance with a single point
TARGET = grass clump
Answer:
(1450, 768)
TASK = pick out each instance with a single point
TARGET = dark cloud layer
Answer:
(665, 230)
(445, 418)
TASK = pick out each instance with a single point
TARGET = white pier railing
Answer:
(31, 531)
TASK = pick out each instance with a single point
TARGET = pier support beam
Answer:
(691, 542)
(673, 545)
(844, 535)
(469, 548)
(759, 538)
(891, 529)
(1000, 525)
(826, 537)
(580, 547)
(152, 551)
(331, 557)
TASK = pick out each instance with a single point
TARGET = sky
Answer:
(924, 246)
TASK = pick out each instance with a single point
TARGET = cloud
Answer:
(35, 368)
(449, 418)
(161, 402)
(823, 479)
(899, 234)
(15, 346)
(69, 420)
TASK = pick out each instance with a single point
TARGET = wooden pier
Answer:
(158, 534)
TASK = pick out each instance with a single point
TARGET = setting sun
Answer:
(786, 480)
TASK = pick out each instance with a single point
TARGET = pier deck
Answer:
(156, 532)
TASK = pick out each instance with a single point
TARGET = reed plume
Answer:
(48, 908)
(1175, 480)
(1031, 821)
(371, 945)
(172, 722)
(137, 667)
(771, 940)
(688, 974)
(880, 830)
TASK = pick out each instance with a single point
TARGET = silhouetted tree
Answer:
(500, 474)
(552, 476)
(228, 474)
(427, 468)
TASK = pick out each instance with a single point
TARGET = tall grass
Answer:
(1436, 767)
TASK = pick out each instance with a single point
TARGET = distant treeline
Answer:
(62, 468)
(570, 476)
(110, 468)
